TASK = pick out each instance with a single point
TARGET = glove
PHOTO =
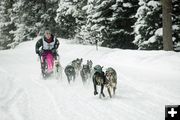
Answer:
(41, 52)
(37, 52)
(53, 51)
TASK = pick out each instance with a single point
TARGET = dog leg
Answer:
(109, 91)
(95, 89)
(74, 78)
(114, 89)
(94, 83)
(68, 79)
(102, 88)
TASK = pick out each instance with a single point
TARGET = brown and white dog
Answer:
(111, 80)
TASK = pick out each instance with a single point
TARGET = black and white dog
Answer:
(70, 73)
(99, 79)
(111, 80)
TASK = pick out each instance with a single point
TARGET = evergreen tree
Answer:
(148, 27)
(86, 34)
(21, 19)
(38, 15)
(6, 23)
(98, 15)
(47, 18)
(121, 32)
(18, 17)
(110, 22)
(82, 34)
(70, 17)
(23, 15)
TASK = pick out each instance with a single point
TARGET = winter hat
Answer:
(47, 31)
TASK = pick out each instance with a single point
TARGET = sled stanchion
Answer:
(57, 69)
(41, 66)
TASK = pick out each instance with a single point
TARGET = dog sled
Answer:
(49, 66)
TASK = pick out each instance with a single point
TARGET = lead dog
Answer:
(111, 80)
(98, 79)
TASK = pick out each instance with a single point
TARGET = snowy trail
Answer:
(147, 81)
(26, 100)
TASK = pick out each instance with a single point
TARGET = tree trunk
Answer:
(167, 25)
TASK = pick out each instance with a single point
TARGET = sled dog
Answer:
(70, 73)
(98, 79)
(111, 80)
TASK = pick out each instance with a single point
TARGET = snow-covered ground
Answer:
(147, 81)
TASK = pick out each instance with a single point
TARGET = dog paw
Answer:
(95, 92)
(103, 94)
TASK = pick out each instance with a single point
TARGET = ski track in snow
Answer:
(143, 87)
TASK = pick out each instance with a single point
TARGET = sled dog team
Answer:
(107, 79)
(46, 49)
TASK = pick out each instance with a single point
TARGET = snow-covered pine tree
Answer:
(6, 24)
(70, 17)
(23, 15)
(27, 18)
(65, 19)
(38, 15)
(148, 27)
(85, 35)
(19, 18)
(82, 34)
(47, 18)
(98, 14)
(121, 32)
(106, 22)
